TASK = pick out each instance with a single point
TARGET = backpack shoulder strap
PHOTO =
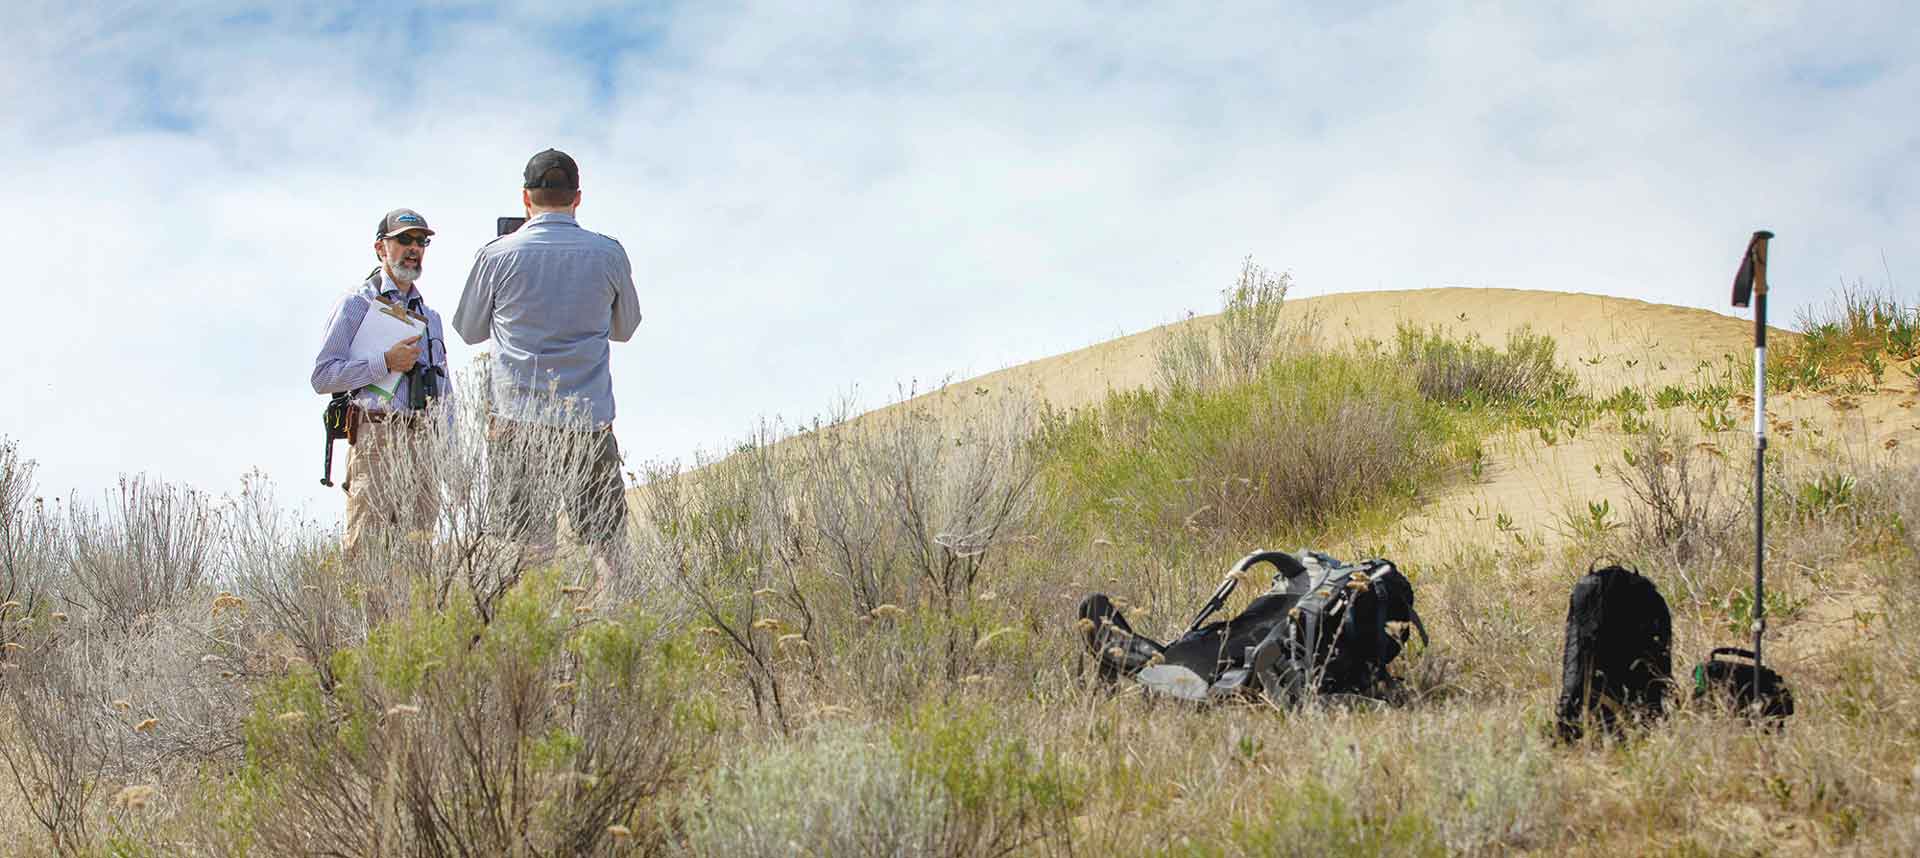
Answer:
(1418, 626)
(1214, 604)
(1288, 567)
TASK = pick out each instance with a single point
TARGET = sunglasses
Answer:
(409, 239)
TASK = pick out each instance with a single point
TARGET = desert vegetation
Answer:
(855, 637)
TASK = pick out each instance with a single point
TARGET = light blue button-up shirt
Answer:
(551, 296)
(334, 368)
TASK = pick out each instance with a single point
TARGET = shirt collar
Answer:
(553, 217)
(388, 286)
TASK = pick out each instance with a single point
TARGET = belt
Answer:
(498, 425)
(384, 416)
(357, 416)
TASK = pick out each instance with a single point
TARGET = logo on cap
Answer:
(409, 218)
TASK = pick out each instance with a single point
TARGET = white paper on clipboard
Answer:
(384, 325)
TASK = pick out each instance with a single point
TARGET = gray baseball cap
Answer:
(401, 220)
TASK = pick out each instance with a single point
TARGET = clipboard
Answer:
(384, 325)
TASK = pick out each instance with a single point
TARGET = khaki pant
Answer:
(380, 503)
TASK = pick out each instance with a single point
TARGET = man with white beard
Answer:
(380, 422)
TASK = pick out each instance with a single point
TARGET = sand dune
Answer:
(1612, 341)
(1530, 487)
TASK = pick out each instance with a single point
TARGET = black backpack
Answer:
(1324, 627)
(1350, 623)
(1760, 694)
(1618, 659)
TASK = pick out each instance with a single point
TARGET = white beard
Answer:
(402, 272)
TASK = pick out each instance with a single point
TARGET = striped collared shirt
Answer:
(335, 371)
(550, 296)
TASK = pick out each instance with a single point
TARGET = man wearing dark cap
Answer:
(552, 296)
(379, 418)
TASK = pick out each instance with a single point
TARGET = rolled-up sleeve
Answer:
(626, 301)
(334, 368)
(473, 319)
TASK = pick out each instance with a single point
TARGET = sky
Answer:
(825, 201)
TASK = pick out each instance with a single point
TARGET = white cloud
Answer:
(833, 196)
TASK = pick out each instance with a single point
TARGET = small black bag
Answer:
(1618, 656)
(1764, 698)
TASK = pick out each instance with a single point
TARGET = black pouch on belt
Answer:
(338, 425)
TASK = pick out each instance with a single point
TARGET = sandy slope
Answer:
(1533, 489)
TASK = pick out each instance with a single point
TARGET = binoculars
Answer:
(423, 384)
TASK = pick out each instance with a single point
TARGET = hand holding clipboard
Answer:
(385, 327)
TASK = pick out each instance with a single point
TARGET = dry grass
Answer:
(858, 641)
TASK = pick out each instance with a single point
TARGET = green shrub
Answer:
(1000, 790)
(444, 735)
(844, 792)
(1321, 819)
(1670, 396)
(1844, 339)
(1464, 370)
(1626, 401)
(945, 782)
(1313, 437)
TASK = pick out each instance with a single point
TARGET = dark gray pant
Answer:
(522, 456)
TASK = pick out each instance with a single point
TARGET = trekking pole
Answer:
(1751, 283)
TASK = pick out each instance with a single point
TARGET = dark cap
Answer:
(540, 171)
(401, 220)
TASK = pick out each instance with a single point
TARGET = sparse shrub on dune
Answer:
(1688, 518)
(61, 739)
(796, 550)
(147, 551)
(32, 542)
(1467, 371)
(291, 578)
(716, 535)
(1683, 506)
(1275, 435)
(1235, 346)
